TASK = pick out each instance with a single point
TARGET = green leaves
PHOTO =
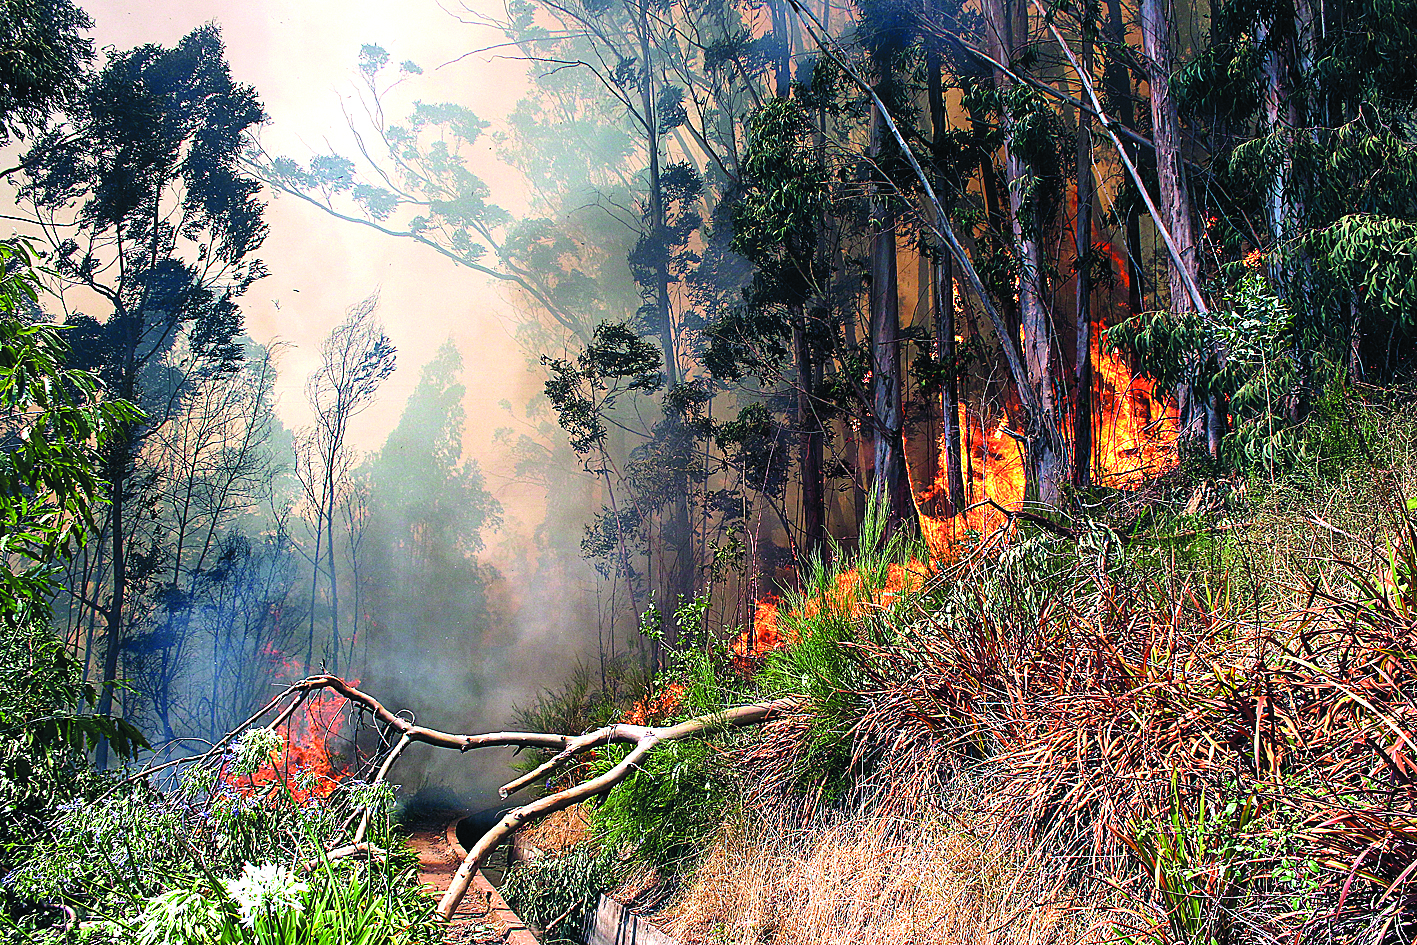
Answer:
(1377, 257)
(53, 424)
(616, 361)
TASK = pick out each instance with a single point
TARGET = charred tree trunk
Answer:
(120, 459)
(113, 637)
(1082, 244)
(782, 35)
(942, 301)
(892, 484)
(809, 436)
(1118, 82)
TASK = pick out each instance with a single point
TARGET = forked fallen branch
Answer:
(643, 739)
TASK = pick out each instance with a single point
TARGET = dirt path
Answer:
(483, 916)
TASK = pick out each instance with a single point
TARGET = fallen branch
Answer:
(226, 740)
(383, 772)
(643, 738)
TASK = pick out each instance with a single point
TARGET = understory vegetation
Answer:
(215, 856)
(1163, 720)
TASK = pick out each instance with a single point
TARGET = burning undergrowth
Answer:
(1245, 740)
(1199, 730)
(305, 758)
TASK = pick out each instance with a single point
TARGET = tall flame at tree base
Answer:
(1134, 436)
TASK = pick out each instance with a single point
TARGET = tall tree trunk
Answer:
(314, 586)
(331, 563)
(677, 578)
(1286, 66)
(1119, 89)
(998, 227)
(782, 35)
(119, 459)
(892, 484)
(1082, 246)
(113, 638)
(1007, 30)
(809, 437)
(1175, 203)
(942, 300)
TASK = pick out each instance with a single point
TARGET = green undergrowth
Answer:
(558, 894)
(207, 863)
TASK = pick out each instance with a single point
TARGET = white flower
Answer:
(268, 889)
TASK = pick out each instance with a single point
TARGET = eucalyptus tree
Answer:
(777, 220)
(45, 62)
(356, 358)
(140, 194)
(215, 467)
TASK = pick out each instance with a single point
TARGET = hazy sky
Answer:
(300, 55)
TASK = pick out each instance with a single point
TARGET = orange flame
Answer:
(307, 764)
(1134, 437)
(657, 705)
(850, 592)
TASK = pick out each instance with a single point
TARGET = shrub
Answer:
(558, 894)
(137, 857)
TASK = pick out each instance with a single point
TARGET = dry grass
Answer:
(872, 876)
(1212, 708)
(553, 836)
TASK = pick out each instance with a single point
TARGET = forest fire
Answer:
(1134, 432)
(1136, 436)
(851, 592)
(663, 702)
(762, 636)
(306, 764)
